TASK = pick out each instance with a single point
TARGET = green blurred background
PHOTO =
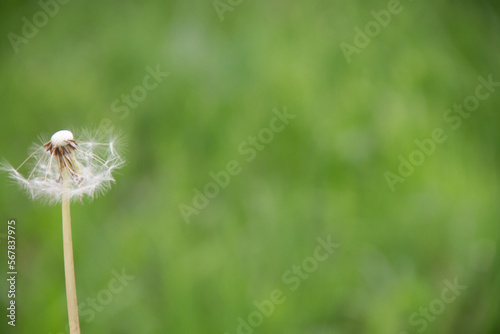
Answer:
(323, 175)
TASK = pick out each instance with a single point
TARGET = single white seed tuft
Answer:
(61, 138)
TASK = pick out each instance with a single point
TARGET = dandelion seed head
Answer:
(65, 166)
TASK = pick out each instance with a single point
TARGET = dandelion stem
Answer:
(69, 268)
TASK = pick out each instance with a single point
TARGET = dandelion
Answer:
(86, 167)
(65, 169)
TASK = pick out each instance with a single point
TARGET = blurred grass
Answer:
(323, 175)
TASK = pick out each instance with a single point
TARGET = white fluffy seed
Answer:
(61, 138)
